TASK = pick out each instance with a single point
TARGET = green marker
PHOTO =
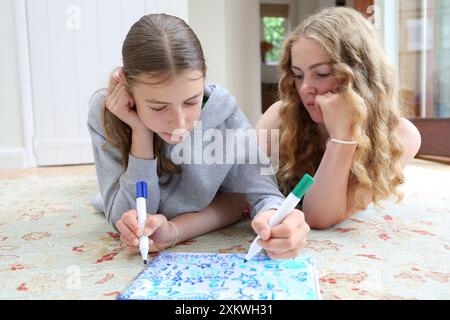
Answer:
(287, 206)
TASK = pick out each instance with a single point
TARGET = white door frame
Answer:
(26, 93)
(389, 19)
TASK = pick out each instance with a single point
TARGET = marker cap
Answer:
(303, 185)
(141, 189)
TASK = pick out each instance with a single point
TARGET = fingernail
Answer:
(147, 232)
(136, 242)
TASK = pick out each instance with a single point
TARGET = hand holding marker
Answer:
(141, 207)
(287, 206)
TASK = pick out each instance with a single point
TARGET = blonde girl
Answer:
(339, 117)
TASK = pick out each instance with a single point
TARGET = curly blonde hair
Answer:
(369, 84)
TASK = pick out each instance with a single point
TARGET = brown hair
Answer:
(160, 47)
(369, 84)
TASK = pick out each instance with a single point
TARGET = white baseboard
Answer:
(57, 152)
(12, 158)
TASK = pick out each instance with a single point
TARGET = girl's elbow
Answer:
(318, 224)
(324, 222)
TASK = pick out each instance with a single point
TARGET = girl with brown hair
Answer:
(153, 104)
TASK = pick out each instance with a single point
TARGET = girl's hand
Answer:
(120, 102)
(337, 115)
(160, 232)
(285, 240)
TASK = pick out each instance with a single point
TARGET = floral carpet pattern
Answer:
(53, 245)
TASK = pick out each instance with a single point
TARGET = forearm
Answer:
(142, 144)
(325, 204)
(224, 210)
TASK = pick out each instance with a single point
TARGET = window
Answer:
(274, 29)
(424, 61)
(424, 57)
(273, 37)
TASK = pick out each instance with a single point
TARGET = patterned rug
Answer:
(53, 245)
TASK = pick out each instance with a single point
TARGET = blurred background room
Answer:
(55, 54)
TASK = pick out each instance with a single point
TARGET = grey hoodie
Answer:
(196, 186)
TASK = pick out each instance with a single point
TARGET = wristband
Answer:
(347, 142)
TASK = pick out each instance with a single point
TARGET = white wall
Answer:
(243, 57)
(210, 29)
(12, 153)
(306, 8)
(229, 33)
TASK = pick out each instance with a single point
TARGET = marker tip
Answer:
(145, 262)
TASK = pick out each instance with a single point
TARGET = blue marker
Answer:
(141, 207)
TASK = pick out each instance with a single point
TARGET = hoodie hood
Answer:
(219, 107)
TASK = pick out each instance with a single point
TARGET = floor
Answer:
(53, 245)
